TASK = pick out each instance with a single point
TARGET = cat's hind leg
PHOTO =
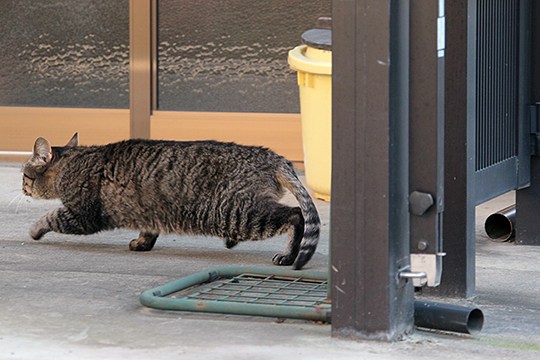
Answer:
(264, 220)
(230, 243)
(145, 241)
(294, 223)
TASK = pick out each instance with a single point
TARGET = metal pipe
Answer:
(501, 225)
(448, 317)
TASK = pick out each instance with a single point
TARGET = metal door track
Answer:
(252, 291)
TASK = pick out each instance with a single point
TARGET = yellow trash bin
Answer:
(313, 63)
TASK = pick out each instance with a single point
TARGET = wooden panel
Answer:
(18, 157)
(20, 126)
(280, 132)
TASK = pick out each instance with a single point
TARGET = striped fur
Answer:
(199, 188)
(288, 179)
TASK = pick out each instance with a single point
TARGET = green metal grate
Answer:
(263, 289)
(246, 291)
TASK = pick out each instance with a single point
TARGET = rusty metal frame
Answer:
(267, 298)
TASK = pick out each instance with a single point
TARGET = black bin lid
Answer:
(321, 36)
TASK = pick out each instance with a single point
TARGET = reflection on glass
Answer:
(231, 55)
(64, 53)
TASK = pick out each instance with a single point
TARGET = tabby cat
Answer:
(194, 187)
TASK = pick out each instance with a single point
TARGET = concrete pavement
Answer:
(76, 297)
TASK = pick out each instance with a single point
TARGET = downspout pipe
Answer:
(447, 317)
(501, 226)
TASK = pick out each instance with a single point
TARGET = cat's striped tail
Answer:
(312, 224)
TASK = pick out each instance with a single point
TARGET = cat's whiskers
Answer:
(22, 200)
(17, 197)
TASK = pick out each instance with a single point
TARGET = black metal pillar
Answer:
(458, 277)
(426, 149)
(528, 199)
(369, 210)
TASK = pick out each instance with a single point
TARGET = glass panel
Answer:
(231, 55)
(64, 53)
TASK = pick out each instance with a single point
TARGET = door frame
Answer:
(20, 126)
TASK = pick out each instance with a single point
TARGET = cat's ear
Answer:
(74, 141)
(42, 150)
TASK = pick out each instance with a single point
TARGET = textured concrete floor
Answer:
(75, 297)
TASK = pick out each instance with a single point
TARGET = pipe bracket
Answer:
(420, 202)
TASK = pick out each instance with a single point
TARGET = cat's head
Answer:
(40, 172)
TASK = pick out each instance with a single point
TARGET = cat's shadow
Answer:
(164, 251)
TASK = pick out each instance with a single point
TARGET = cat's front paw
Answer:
(283, 259)
(140, 245)
(229, 243)
(37, 232)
